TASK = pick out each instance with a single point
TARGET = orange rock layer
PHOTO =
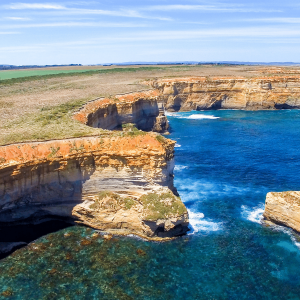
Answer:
(63, 178)
(142, 109)
(203, 93)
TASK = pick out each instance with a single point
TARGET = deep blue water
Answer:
(224, 168)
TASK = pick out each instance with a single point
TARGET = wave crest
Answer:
(254, 214)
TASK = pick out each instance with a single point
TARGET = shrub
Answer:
(160, 139)
(113, 201)
(162, 206)
(130, 129)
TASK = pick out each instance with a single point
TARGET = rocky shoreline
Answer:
(283, 209)
(211, 93)
(122, 181)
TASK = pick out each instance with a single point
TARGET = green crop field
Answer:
(4, 75)
(16, 76)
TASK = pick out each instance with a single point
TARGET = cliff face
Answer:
(66, 178)
(283, 208)
(142, 109)
(201, 93)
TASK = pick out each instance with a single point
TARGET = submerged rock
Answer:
(284, 208)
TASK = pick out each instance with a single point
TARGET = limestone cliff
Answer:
(143, 109)
(203, 93)
(283, 208)
(66, 178)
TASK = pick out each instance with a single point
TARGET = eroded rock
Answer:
(64, 179)
(284, 208)
(209, 93)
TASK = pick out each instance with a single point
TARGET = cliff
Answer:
(204, 93)
(71, 178)
(283, 208)
(144, 109)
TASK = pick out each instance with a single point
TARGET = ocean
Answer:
(226, 163)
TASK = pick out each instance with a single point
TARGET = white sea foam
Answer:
(201, 116)
(198, 224)
(191, 117)
(290, 233)
(203, 189)
(254, 214)
(177, 146)
(179, 168)
(170, 114)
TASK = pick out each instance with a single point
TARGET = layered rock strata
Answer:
(283, 208)
(65, 178)
(203, 93)
(143, 109)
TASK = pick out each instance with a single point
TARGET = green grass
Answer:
(114, 201)
(5, 75)
(161, 139)
(162, 206)
(49, 123)
(130, 130)
(17, 76)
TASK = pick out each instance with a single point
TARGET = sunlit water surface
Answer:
(226, 162)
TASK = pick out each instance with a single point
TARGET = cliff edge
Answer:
(283, 208)
(209, 93)
(121, 183)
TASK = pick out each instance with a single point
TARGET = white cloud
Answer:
(219, 7)
(75, 24)
(63, 10)
(238, 32)
(34, 6)
(116, 13)
(9, 32)
(17, 19)
(275, 20)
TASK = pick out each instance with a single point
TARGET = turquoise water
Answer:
(226, 162)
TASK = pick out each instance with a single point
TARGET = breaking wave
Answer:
(198, 224)
(200, 117)
(254, 214)
(180, 168)
(191, 117)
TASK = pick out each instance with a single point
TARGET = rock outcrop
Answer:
(203, 93)
(143, 109)
(283, 208)
(65, 178)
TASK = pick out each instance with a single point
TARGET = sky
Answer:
(115, 31)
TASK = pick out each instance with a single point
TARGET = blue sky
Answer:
(95, 32)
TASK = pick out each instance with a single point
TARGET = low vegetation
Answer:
(49, 123)
(130, 130)
(110, 200)
(162, 206)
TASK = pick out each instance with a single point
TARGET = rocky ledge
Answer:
(207, 93)
(120, 183)
(143, 109)
(284, 209)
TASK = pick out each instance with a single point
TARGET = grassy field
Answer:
(17, 76)
(4, 75)
(40, 107)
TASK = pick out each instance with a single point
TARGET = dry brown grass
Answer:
(42, 109)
